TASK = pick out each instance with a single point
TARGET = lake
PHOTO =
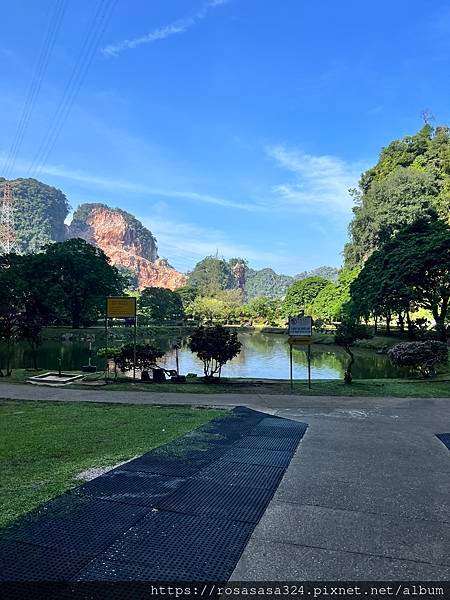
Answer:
(263, 355)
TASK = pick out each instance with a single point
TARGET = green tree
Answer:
(410, 181)
(160, 305)
(301, 295)
(208, 310)
(81, 277)
(143, 359)
(211, 275)
(411, 269)
(187, 294)
(330, 302)
(214, 346)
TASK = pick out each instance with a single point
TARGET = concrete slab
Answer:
(352, 531)
(275, 561)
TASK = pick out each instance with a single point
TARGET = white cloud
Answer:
(185, 243)
(319, 184)
(161, 33)
(141, 188)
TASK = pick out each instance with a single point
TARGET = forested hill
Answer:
(266, 282)
(39, 213)
(410, 180)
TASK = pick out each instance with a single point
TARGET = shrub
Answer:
(215, 346)
(146, 357)
(421, 356)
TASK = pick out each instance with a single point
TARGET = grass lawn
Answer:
(326, 387)
(43, 445)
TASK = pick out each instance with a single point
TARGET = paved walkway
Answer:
(366, 495)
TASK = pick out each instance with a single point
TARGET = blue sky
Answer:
(234, 126)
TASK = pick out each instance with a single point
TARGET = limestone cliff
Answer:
(127, 242)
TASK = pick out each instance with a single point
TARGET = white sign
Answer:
(300, 326)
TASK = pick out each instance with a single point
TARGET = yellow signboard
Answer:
(121, 307)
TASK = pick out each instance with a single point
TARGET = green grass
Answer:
(425, 388)
(43, 445)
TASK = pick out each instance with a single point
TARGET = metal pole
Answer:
(309, 366)
(106, 341)
(290, 366)
(134, 348)
(176, 358)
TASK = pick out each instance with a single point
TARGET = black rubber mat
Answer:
(295, 432)
(445, 438)
(244, 475)
(131, 487)
(159, 465)
(268, 443)
(207, 497)
(184, 511)
(72, 522)
(179, 535)
(25, 562)
(259, 456)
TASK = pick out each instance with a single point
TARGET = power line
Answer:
(91, 43)
(35, 84)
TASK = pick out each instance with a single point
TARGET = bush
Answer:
(146, 357)
(421, 356)
(215, 346)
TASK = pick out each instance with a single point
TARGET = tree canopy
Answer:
(160, 305)
(211, 275)
(410, 181)
(301, 295)
(412, 269)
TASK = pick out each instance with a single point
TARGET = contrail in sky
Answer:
(178, 26)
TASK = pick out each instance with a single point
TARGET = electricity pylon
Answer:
(8, 240)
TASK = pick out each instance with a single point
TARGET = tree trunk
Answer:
(375, 327)
(348, 371)
(401, 322)
(388, 324)
(410, 325)
(439, 317)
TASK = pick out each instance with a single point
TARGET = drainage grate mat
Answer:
(164, 466)
(268, 443)
(179, 535)
(159, 567)
(259, 456)
(130, 487)
(184, 511)
(445, 438)
(207, 497)
(296, 431)
(25, 562)
(75, 523)
(244, 475)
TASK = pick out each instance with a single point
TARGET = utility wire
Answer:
(35, 85)
(90, 45)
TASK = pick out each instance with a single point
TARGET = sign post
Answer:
(121, 307)
(300, 334)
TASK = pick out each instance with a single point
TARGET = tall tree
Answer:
(160, 305)
(410, 181)
(301, 295)
(81, 277)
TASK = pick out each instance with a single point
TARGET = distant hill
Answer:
(266, 282)
(39, 213)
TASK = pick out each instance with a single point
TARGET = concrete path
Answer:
(265, 402)
(365, 497)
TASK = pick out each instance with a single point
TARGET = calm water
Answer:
(262, 355)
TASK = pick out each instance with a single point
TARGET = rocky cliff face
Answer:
(127, 243)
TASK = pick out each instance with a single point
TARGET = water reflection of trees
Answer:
(262, 355)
